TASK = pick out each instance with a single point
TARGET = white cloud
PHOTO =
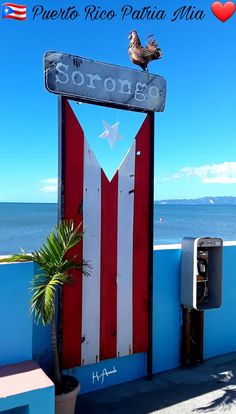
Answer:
(224, 173)
(51, 185)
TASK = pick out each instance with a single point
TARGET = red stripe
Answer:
(15, 5)
(14, 17)
(141, 239)
(73, 193)
(108, 307)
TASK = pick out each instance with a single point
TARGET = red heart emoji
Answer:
(223, 11)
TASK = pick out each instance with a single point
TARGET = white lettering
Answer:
(156, 92)
(92, 78)
(58, 68)
(123, 84)
(113, 84)
(139, 96)
(91, 84)
(95, 376)
(74, 77)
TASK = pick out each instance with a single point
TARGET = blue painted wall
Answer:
(39, 401)
(220, 324)
(219, 329)
(166, 309)
(15, 319)
(41, 340)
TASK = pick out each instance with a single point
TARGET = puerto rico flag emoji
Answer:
(13, 11)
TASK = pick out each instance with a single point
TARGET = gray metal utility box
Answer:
(201, 272)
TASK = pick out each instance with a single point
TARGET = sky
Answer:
(195, 137)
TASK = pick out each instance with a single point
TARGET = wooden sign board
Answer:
(96, 82)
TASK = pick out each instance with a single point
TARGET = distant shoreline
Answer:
(203, 201)
(26, 202)
(210, 201)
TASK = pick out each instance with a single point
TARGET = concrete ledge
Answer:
(26, 385)
(23, 377)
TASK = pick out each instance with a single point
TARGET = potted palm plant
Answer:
(55, 259)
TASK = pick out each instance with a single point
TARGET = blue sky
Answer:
(195, 138)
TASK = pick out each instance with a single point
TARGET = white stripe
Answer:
(18, 11)
(18, 16)
(125, 254)
(91, 252)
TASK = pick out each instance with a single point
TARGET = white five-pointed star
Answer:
(111, 133)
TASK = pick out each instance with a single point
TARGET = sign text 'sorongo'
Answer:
(91, 81)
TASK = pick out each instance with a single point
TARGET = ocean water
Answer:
(178, 221)
(25, 225)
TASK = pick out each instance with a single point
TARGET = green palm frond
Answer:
(44, 288)
(21, 257)
(55, 261)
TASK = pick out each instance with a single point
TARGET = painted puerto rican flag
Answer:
(105, 315)
(13, 11)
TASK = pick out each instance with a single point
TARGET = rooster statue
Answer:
(140, 55)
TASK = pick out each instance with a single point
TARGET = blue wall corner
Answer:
(42, 351)
(166, 309)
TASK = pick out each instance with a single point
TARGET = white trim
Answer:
(179, 245)
(167, 246)
(229, 243)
